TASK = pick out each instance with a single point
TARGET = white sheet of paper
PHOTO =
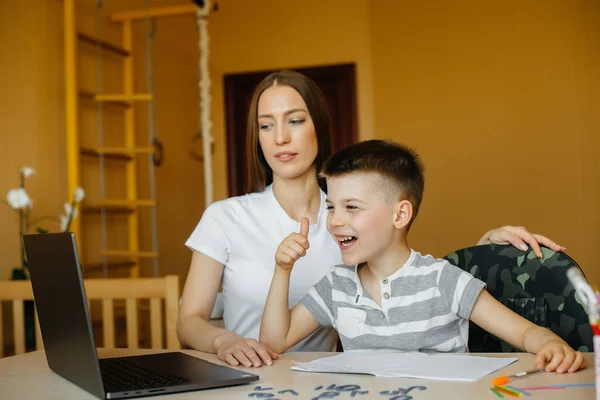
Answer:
(447, 367)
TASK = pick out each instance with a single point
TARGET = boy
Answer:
(387, 296)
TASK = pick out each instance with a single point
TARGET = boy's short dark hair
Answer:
(400, 165)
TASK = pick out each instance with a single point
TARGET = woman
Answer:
(236, 239)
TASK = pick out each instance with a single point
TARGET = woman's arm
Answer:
(193, 328)
(498, 320)
(519, 237)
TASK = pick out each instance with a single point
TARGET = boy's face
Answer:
(361, 218)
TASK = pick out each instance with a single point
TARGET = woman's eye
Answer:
(264, 127)
(329, 208)
(297, 121)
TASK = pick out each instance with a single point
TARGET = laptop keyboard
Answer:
(125, 375)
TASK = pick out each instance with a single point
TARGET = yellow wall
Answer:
(502, 100)
(31, 115)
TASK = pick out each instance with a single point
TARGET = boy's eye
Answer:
(349, 207)
(329, 208)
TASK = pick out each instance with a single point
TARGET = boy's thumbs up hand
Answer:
(293, 247)
(304, 225)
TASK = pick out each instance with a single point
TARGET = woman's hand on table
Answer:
(236, 350)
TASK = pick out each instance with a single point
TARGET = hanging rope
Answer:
(152, 135)
(99, 89)
(205, 99)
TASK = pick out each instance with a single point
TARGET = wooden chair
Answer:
(107, 291)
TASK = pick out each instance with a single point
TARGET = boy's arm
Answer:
(498, 320)
(281, 328)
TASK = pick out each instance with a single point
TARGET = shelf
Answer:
(117, 206)
(95, 209)
(91, 96)
(115, 153)
(120, 97)
(125, 253)
(82, 37)
(127, 203)
(154, 12)
(111, 265)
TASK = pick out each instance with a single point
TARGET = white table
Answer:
(27, 376)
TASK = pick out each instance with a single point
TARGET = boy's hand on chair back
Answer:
(293, 247)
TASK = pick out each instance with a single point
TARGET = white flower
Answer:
(78, 194)
(68, 210)
(27, 171)
(18, 199)
(64, 220)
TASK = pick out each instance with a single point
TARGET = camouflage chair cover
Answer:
(537, 289)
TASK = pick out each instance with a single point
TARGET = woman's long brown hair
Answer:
(259, 173)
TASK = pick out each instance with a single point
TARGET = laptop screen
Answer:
(62, 309)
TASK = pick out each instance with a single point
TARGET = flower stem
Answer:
(27, 220)
(21, 227)
(73, 204)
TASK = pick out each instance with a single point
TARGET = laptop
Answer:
(69, 342)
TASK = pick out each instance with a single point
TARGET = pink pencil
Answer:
(541, 387)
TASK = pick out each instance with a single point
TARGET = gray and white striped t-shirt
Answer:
(425, 306)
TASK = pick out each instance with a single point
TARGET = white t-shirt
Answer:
(243, 234)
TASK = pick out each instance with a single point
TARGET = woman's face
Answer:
(286, 132)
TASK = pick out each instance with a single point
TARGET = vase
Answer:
(19, 274)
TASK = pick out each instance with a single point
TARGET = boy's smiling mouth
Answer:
(345, 242)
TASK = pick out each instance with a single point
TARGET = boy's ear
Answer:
(403, 214)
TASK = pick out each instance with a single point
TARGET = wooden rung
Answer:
(121, 206)
(118, 150)
(110, 265)
(105, 45)
(127, 203)
(123, 97)
(116, 153)
(154, 12)
(19, 326)
(132, 320)
(171, 310)
(16, 290)
(1, 333)
(125, 253)
(122, 288)
(156, 324)
(96, 152)
(110, 209)
(108, 323)
(87, 95)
